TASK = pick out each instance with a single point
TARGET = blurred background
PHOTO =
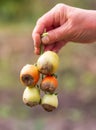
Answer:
(76, 73)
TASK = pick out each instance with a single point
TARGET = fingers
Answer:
(37, 38)
(58, 46)
(57, 34)
(55, 47)
(48, 47)
(54, 23)
(45, 22)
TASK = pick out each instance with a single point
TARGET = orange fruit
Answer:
(29, 75)
(49, 84)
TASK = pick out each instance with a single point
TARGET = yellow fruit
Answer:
(49, 102)
(48, 62)
(31, 96)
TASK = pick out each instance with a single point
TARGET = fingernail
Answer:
(45, 39)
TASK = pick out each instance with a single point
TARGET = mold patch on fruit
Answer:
(47, 87)
(27, 79)
(48, 107)
(46, 69)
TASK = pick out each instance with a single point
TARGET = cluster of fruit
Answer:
(45, 67)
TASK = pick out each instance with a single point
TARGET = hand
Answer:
(64, 24)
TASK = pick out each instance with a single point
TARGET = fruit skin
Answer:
(31, 96)
(49, 102)
(29, 75)
(48, 63)
(49, 84)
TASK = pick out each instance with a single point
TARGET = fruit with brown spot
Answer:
(29, 75)
(31, 96)
(48, 63)
(49, 84)
(49, 102)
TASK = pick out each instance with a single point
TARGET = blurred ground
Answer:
(76, 92)
(61, 124)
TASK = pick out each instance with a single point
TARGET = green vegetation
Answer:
(30, 10)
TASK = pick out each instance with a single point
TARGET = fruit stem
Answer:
(42, 76)
(41, 49)
(41, 46)
(55, 75)
(56, 93)
(38, 86)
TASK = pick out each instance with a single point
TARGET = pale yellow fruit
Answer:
(49, 102)
(31, 96)
(48, 62)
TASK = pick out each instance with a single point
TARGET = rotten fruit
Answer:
(48, 62)
(31, 96)
(49, 102)
(49, 84)
(29, 75)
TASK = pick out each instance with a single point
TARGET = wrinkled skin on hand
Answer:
(64, 24)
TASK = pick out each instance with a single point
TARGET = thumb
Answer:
(55, 35)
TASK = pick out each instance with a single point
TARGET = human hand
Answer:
(64, 24)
